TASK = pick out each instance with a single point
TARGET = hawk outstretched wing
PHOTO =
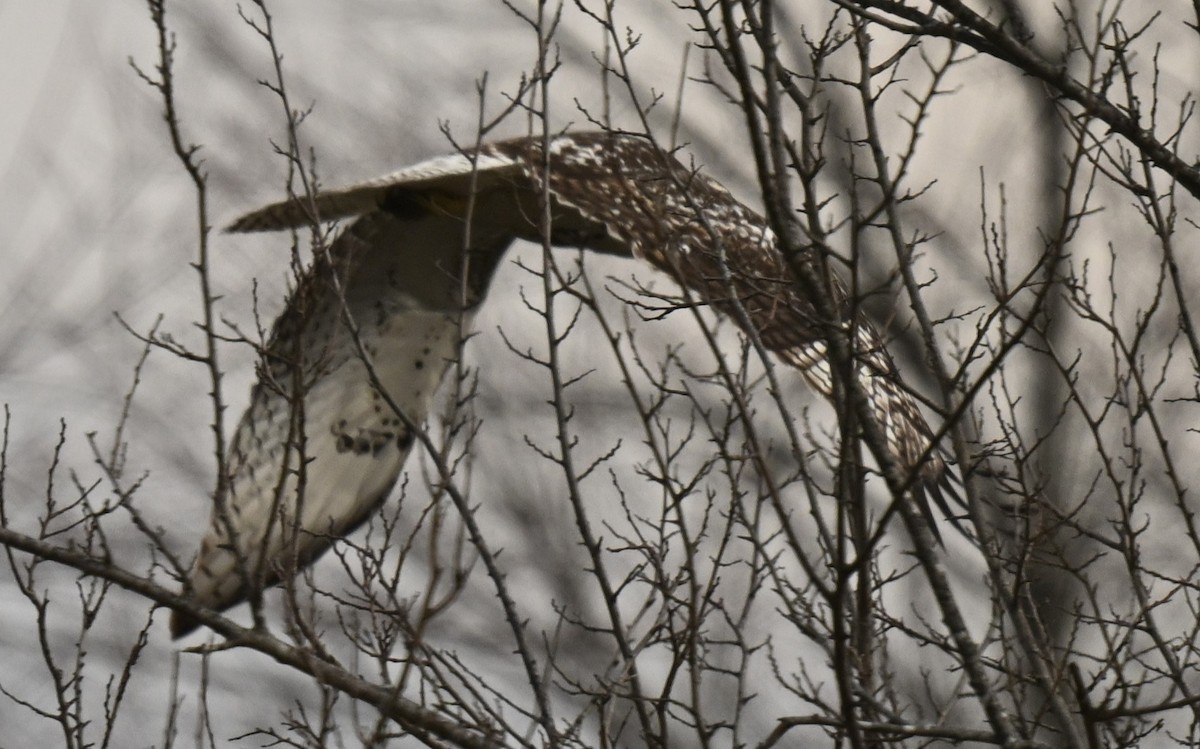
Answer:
(321, 446)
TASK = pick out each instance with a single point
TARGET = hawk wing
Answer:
(452, 175)
(320, 446)
(688, 225)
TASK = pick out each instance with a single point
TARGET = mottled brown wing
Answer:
(688, 225)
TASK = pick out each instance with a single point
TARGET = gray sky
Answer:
(31, 34)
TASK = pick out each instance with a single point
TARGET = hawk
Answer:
(401, 284)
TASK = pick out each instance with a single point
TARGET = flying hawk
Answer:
(412, 268)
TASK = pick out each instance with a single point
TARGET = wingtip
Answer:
(942, 489)
(286, 214)
(921, 492)
(252, 222)
(234, 228)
